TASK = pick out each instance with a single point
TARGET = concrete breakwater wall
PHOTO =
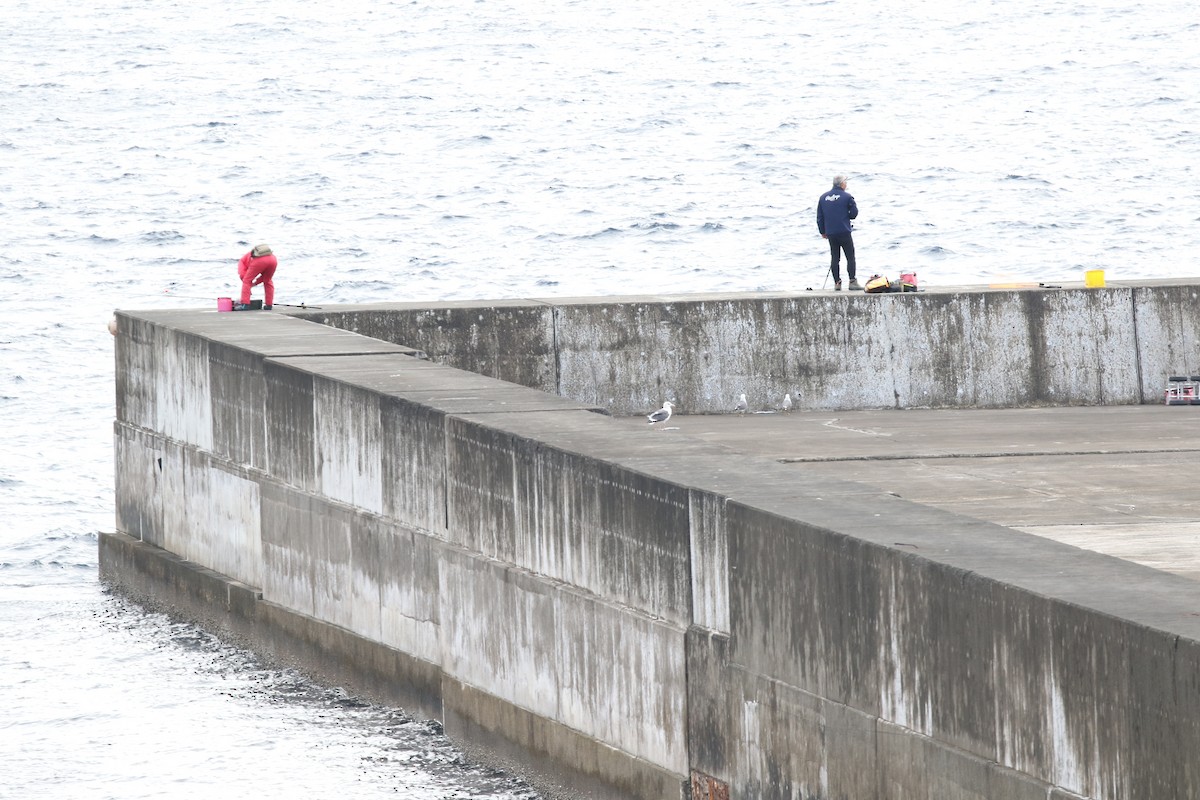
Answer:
(941, 348)
(623, 615)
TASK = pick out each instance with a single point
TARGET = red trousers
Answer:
(254, 271)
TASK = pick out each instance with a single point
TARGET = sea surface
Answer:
(453, 149)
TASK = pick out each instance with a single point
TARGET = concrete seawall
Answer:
(644, 616)
(942, 348)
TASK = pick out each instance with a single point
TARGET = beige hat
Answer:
(261, 250)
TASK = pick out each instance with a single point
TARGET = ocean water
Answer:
(456, 149)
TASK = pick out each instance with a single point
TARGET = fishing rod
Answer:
(304, 306)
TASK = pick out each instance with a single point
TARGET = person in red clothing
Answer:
(257, 266)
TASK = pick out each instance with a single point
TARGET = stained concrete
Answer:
(952, 346)
(1118, 480)
(849, 604)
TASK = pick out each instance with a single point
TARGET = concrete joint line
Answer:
(937, 456)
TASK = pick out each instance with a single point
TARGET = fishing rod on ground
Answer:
(304, 306)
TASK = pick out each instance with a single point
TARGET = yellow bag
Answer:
(877, 283)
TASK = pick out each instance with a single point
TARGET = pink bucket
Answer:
(224, 304)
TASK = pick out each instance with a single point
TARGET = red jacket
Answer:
(249, 265)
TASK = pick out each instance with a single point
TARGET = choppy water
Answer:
(458, 149)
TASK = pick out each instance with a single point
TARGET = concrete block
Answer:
(239, 405)
(630, 354)
(1061, 347)
(713, 735)
(559, 761)
(280, 334)
(940, 624)
(137, 487)
(221, 515)
(1090, 701)
(481, 489)
(413, 453)
(290, 419)
(620, 534)
(709, 560)
(347, 433)
(914, 766)
(806, 606)
(1023, 665)
(499, 632)
(313, 551)
(891, 635)
(795, 744)
(578, 519)
(1187, 715)
(1168, 341)
(182, 388)
(352, 569)
(604, 671)
(1160, 718)
(364, 590)
(210, 512)
(1087, 347)
(511, 340)
(136, 386)
(407, 574)
(166, 582)
(288, 524)
(623, 679)
(335, 656)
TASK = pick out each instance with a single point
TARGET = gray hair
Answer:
(839, 180)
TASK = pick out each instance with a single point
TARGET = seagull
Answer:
(787, 402)
(663, 414)
(742, 405)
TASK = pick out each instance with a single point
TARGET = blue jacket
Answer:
(835, 209)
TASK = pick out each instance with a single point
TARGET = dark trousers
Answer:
(839, 242)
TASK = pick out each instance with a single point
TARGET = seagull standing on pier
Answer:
(787, 402)
(663, 414)
(742, 405)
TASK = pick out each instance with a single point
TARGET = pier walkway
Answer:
(1119, 480)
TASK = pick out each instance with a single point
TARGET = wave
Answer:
(654, 226)
(162, 236)
(603, 234)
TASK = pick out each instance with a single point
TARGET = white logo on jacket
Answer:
(829, 198)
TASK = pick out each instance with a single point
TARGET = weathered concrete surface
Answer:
(512, 340)
(1116, 480)
(946, 347)
(744, 601)
(163, 581)
(1020, 672)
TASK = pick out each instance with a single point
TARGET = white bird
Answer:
(787, 402)
(742, 405)
(663, 414)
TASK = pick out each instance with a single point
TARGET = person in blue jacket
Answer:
(835, 209)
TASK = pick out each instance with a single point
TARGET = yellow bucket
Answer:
(1094, 279)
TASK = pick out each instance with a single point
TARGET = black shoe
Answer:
(837, 286)
(855, 286)
(266, 308)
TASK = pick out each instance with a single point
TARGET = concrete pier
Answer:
(863, 598)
